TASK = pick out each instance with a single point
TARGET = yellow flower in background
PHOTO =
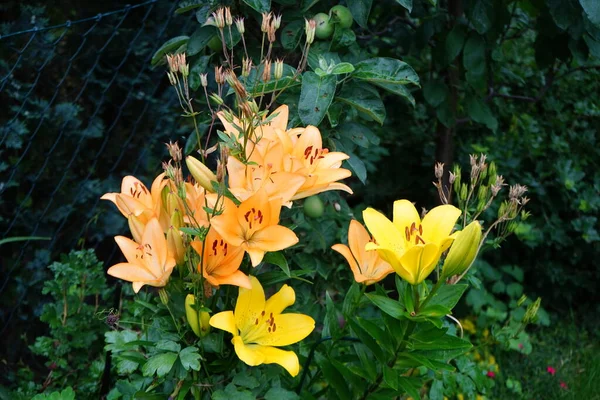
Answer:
(413, 247)
(148, 263)
(367, 266)
(221, 261)
(254, 226)
(135, 199)
(468, 326)
(259, 327)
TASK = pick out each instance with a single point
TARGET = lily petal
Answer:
(439, 222)
(251, 354)
(284, 298)
(383, 230)
(225, 321)
(274, 238)
(287, 359)
(250, 304)
(287, 329)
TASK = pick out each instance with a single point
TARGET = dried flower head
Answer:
(266, 21)
(439, 170)
(276, 22)
(228, 17)
(204, 80)
(310, 27)
(219, 75)
(239, 23)
(174, 151)
(173, 61)
(278, 71)
(266, 75)
(219, 18)
(246, 67)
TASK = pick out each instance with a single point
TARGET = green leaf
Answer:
(412, 360)
(365, 99)
(592, 10)
(160, 364)
(390, 377)
(245, 380)
(443, 348)
(448, 295)
(435, 92)
(277, 393)
(408, 4)
(480, 112)
(199, 39)
(565, 13)
(399, 90)
(315, 97)
(200, 66)
(474, 55)
(335, 379)
(410, 386)
(385, 70)
(360, 10)
(332, 324)
(190, 358)
(261, 6)
(351, 300)
(342, 38)
(342, 68)
(168, 345)
(291, 34)
(367, 362)
(358, 166)
(454, 42)
(168, 47)
(481, 14)
(390, 307)
(277, 258)
(380, 335)
(367, 340)
(358, 133)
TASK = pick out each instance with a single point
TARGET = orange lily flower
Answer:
(196, 199)
(263, 172)
(367, 266)
(320, 166)
(254, 226)
(148, 263)
(221, 261)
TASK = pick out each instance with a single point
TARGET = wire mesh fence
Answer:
(81, 107)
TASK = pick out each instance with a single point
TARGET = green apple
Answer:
(324, 28)
(313, 207)
(341, 15)
(215, 44)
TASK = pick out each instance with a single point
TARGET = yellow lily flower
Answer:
(367, 266)
(258, 326)
(221, 261)
(254, 226)
(135, 199)
(148, 263)
(413, 247)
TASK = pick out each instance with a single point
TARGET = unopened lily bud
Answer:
(266, 75)
(228, 18)
(278, 72)
(197, 320)
(173, 203)
(177, 219)
(204, 80)
(266, 21)
(239, 23)
(201, 173)
(492, 173)
(215, 98)
(164, 296)
(310, 26)
(463, 192)
(135, 226)
(175, 246)
(463, 250)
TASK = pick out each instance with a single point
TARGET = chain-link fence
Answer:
(81, 107)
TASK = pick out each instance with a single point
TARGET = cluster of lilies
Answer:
(207, 223)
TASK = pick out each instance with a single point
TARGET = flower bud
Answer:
(136, 227)
(201, 173)
(239, 23)
(246, 67)
(463, 250)
(164, 296)
(197, 320)
(215, 98)
(278, 72)
(175, 246)
(177, 219)
(204, 80)
(310, 27)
